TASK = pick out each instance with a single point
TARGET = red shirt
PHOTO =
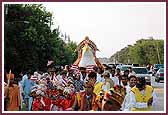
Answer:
(67, 103)
(37, 105)
(58, 101)
(47, 102)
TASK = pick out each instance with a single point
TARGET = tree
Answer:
(145, 51)
(29, 41)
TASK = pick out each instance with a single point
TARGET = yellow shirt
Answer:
(97, 88)
(142, 98)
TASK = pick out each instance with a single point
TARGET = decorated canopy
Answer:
(87, 54)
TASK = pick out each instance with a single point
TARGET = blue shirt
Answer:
(26, 86)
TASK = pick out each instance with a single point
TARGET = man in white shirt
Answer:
(132, 80)
(99, 75)
(83, 74)
(114, 78)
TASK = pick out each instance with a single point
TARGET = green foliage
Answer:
(29, 41)
(145, 51)
(72, 55)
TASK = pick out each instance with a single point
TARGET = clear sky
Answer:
(112, 26)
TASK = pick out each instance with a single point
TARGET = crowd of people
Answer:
(73, 88)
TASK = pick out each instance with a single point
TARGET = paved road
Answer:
(159, 89)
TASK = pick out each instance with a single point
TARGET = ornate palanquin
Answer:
(87, 54)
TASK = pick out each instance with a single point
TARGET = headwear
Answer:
(106, 73)
(36, 73)
(40, 92)
(60, 86)
(42, 82)
(50, 62)
(74, 67)
(113, 96)
(70, 80)
(45, 75)
(42, 87)
(68, 90)
(34, 77)
(33, 89)
(11, 76)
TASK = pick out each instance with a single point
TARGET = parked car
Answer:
(135, 65)
(159, 75)
(116, 64)
(158, 66)
(124, 67)
(111, 65)
(142, 72)
(119, 66)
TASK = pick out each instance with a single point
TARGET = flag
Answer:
(90, 68)
(55, 79)
(42, 101)
(33, 77)
(49, 62)
(74, 67)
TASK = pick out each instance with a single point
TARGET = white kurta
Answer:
(21, 91)
(115, 80)
(85, 79)
(99, 78)
(135, 104)
(126, 103)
